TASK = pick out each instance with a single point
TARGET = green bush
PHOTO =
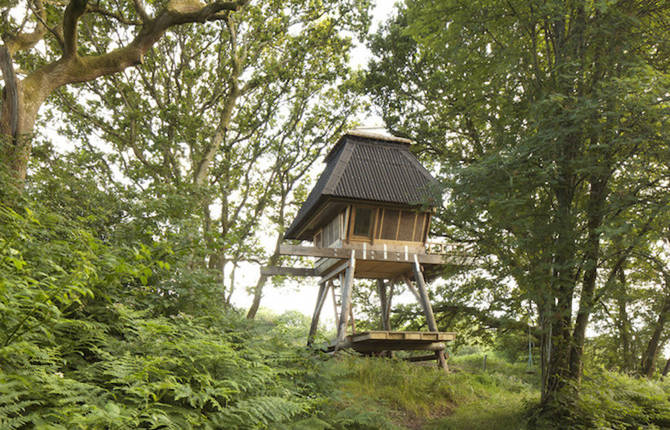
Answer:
(608, 400)
(80, 347)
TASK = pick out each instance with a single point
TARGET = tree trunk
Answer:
(563, 285)
(595, 213)
(384, 299)
(258, 295)
(258, 289)
(624, 326)
(274, 259)
(666, 369)
(650, 355)
(17, 120)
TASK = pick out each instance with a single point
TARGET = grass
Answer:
(375, 393)
(422, 397)
(493, 399)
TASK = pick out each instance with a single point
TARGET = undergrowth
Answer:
(417, 397)
(505, 396)
(88, 342)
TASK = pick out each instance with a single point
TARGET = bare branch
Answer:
(23, 41)
(116, 16)
(141, 12)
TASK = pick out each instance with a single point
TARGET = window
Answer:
(363, 221)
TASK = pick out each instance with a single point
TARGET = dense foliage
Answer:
(87, 343)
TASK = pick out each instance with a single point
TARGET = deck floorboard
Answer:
(377, 341)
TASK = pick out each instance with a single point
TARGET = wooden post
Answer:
(353, 321)
(320, 299)
(347, 285)
(427, 308)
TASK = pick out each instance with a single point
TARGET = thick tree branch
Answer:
(10, 96)
(150, 33)
(71, 68)
(74, 10)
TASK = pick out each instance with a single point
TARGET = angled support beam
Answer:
(320, 300)
(427, 309)
(333, 273)
(347, 284)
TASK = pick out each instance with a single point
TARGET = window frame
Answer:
(352, 223)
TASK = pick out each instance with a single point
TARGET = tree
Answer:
(549, 121)
(657, 338)
(69, 59)
(221, 122)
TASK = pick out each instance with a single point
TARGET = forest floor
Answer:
(414, 396)
(393, 394)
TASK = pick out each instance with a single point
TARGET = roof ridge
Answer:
(378, 136)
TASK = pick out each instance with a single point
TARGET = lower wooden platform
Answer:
(377, 341)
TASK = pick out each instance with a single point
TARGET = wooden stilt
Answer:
(428, 309)
(320, 299)
(347, 286)
(353, 321)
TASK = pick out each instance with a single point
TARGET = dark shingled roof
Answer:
(369, 167)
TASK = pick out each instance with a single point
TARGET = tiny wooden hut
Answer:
(368, 216)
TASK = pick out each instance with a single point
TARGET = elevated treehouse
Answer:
(368, 216)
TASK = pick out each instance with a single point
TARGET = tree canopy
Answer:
(549, 121)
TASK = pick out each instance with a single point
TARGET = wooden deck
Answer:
(377, 341)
